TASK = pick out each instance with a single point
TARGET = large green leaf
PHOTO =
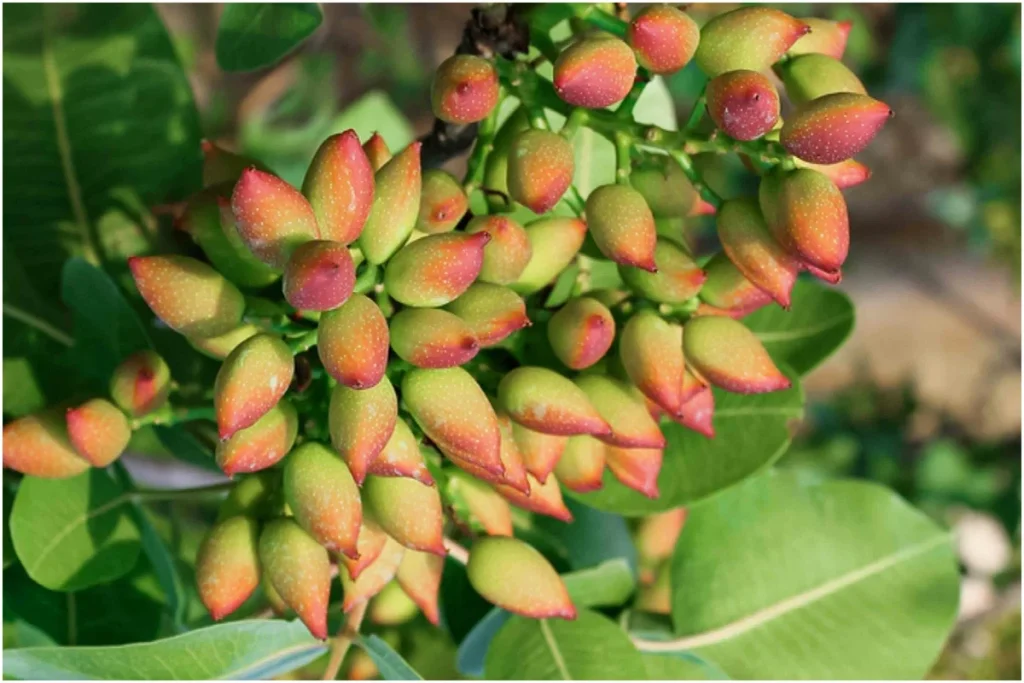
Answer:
(255, 649)
(74, 533)
(751, 432)
(782, 577)
(593, 536)
(390, 664)
(684, 666)
(253, 35)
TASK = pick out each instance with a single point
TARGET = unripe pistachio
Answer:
(482, 503)
(834, 128)
(396, 204)
(253, 495)
(38, 445)
(698, 413)
(324, 497)
(228, 565)
(581, 467)
(419, 575)
(377, 151)
(271, 216)
(141, 383)
(540, 169)
(220, 346)
(545, 401)
(651, 351)
(442, 202)
(743, 104)
(250, 382)
(402, 457)
(410, 512)
(362, 422)
(391, 606)
(656, 538)
(508, 252)
(432, 338)
(544, 499)
(663, 38)
(99, 431)
(453, 411)
(221, 166)
(596, 71)
(727, 290)
(513, 471)
(465, 89)
(540, 452)
(435, 270)
(692, 385)
(353, 342)
(514, 576)
(370, 545)
(730, 356)
(656, 596)
(299, 569)
(678, 278)
(749, 245)
(844, 174)
(632, 426)
(374, 576)
(492, 312)
(807, 215)
(319, 276)
(622, 226)
(636, 468)
(361, 667)
(339, 186)
(581, 332)
(664, 186)
(555, 243)
(747, 38)
(826, 37)
(190, 297)
(809, 77)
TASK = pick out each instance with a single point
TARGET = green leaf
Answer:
(390, 664)
(253, 35)
(185, 446)
(255, 649)
(590, 647)
(818, 323)
(164, 566)
(563, 287)
(593, 536)
(751, 432)
(74, 533)
(683, 666)
(798, 580)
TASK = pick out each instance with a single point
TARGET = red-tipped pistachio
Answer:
(220, 346)
(435, 270)
(743, 104)
(748, 243)
(141, 383)
(377, 151)
(663, 38)
(396, 205)
(540, 169)
(622, 226)
(319, 276)
(370, 545)
(663, 185)
(374, 576)
(254, 495)
(678, 277)
(809, 77)
(581, 332)
(508, 252)
(544, 499)
(730, 356)
(632, 426)
(476, 502)
(844, 174)
(636, 468)
(514, 576)
(727, 290)
(419, 575)
(324, 497)
(465, 89)
(513, 471)
(545, 401)
(402, 457)
(492, 312)
(747, 38)
(442, 202)
(38, 445)
(595, 72)
(833, 128)
(651, 351)
(432, 338)
(189, 296)
(555, 243)
(698, 412)
(826, 37)
(251, 381)
(807, 215)
(410, 512)
(99, 431)
(353, 342)
(361, 422)
(339, 186)
(271, 216)
(299, 569)
(540, 452)
(228, 565)
(581, 467)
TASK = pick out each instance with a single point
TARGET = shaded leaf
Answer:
(252, 35)
(390, 664)
(593, 536)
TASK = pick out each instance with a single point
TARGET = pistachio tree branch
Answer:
(348, 632)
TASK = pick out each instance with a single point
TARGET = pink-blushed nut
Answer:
(220, 346)
(479, 504)
(622, 226)
(747, 38)
(664, 186)
(374, 577)
(698, 413)
(465, 89)
(807, 215)
(141, 383)
(651, 352)
(396, 206)
(339, 186)
(581, 467)
(442, 203)
(701, 207)
(228, 565)
(410, 512)
(377, 151)
(250, 382)
(663, 38)
(432, 338)
(655, 539)
(631, 423)
(845, 174)
(361, 667)
(825, 37)
(545, 401)
(319, 276)
(508, 252)
(514, 576)
(353, 342)
(743, 104)
(401, 457)
(555, 243)
(834, 128)
(747, 242)
(271, 216)
(391, 606)
(299, 569)
(636, 468)
(541, 165)
(492, 312)
(513, 471)
(190, 297)
(595, 72)
(324, 497)
(369, 546)
(361, 423)
(540, 452)
(99, 431)
(435, 270)
(221, 166)
(419, 575)
(678, 278)
(581, 332)
(544, 499)
(38, 445)
(811, 76)
(262, 444)
(454, 413)
(728, 292)
(730, 356)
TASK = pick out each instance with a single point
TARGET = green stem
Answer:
(303, 343)
(600, 19)
(574, 200)
(150, 495)
(366, 280)
(684, 161)
(697, 113)
(623, 166)
(477, 163)
(577, 118)
(626, 107)
(170, 415)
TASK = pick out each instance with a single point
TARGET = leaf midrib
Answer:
(556, 652)
(790, 335)
(74, 524)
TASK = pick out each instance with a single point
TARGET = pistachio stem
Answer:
(456, 551)
(482, 149)
(343, 640)
(170, 415)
